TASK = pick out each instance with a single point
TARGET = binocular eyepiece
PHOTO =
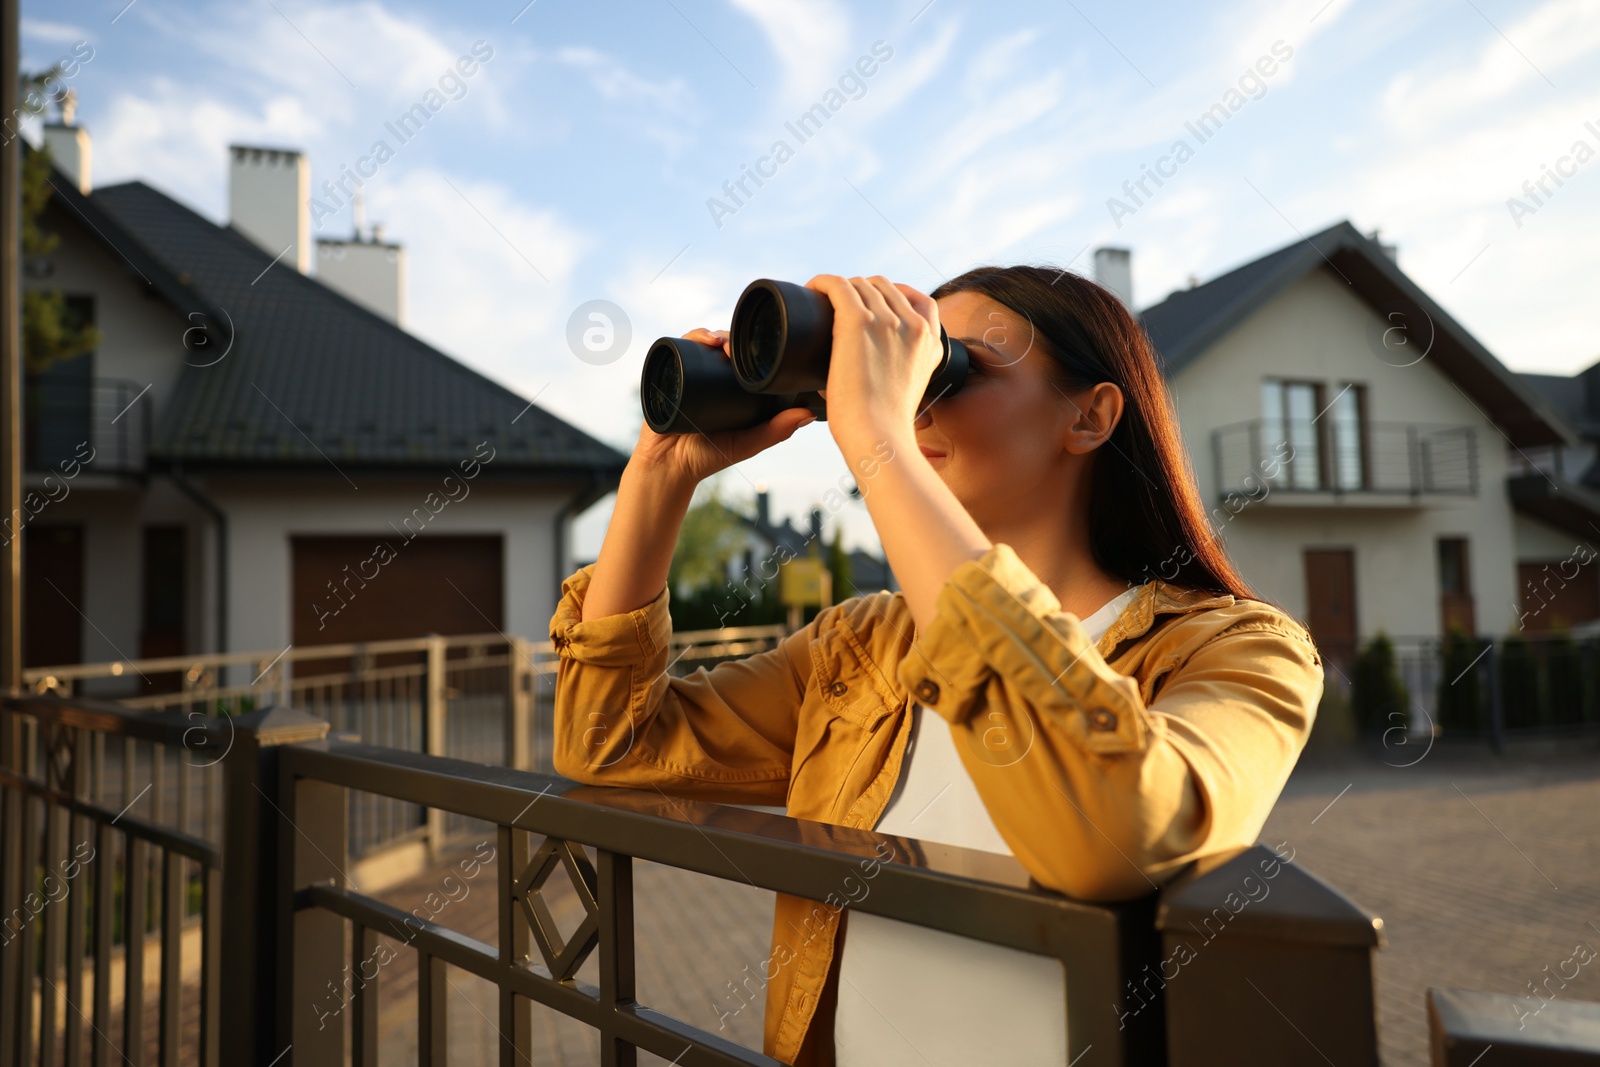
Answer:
(781, 342)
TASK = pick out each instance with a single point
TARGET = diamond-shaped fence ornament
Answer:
(563, 958)
(59, 756)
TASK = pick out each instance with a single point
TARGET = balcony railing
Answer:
(100, 424)
(1261, 458)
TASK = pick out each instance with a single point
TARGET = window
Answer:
(1289, 426)
(1347, 417)
(1324, 442)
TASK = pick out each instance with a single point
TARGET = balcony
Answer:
(100, 424)
(1307, 463)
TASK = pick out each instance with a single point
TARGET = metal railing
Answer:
(1528, 685)
(101, 423)
(1267, 456)
(97, 875)
(487, 698)
(1155, 981)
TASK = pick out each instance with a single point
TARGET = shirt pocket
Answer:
(849, 683)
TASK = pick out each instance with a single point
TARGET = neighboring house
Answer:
(869, 572)
(1370, 464)
(1556, 577)
(265, 449)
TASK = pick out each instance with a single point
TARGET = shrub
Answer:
(1378, 697)
(1460, 695)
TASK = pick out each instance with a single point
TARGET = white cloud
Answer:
(813, 42)
(474, 254)
(52, 32)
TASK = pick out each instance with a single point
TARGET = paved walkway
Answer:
(1485, 870)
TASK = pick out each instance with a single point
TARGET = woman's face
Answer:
(999, 441)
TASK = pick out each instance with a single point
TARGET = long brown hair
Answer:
(1145, 515)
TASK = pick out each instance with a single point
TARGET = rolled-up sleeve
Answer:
(726, 734)
(1099, 792)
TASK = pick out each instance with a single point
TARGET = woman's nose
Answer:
(924, 418)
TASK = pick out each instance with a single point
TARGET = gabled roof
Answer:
(1571, 397)
(1190, 321)
(310, 377)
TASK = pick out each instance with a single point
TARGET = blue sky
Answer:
(580, 160)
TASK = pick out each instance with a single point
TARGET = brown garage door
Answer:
(381, 587)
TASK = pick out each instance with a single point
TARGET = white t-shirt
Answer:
(915, 996)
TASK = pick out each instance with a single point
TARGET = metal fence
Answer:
(1163, 981)
(484, 698)
(1500, 689)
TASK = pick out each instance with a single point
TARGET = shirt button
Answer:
(1103, 719)
(927, 691)
(838, 689)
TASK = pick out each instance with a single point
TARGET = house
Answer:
(1557, 583)
(256, 455)
(1370, 465)
(870, 573)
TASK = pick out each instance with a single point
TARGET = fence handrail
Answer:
(980, 895)
(734, 636)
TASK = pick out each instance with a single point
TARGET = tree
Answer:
(1377, 695)
(844, 584)
(1459, 693)
(710, 537)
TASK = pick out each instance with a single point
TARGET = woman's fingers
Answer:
(920, 303)
(873, 299)
(705, 336)
(840, 293)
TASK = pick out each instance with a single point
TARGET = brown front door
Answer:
(1331, 602)
(52, 595)
(1456, 610)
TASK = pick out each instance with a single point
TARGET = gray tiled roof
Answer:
(313, 377)
(1188, 322)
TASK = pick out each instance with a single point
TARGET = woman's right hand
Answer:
(693, 457)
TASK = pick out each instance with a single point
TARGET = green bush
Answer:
(1378, 697)
(1460, 695)
(1564, 687)
(1520, 692)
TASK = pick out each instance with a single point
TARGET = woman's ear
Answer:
(1096, 410)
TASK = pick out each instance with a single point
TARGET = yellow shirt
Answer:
(1168, 739)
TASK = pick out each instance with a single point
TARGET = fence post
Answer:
(323, 983)
(1265, 964)
(257, 849)
(433, 733)
(519, 754)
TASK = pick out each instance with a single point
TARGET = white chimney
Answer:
(69, 143)
(269, 197)
(372, 273)
(1113, 268)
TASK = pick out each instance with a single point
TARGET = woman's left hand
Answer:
(885, 350)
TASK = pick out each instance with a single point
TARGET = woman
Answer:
(1073, 673)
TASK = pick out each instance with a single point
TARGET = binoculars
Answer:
(781, 341)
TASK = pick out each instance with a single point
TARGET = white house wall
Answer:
(1319, 330)
(141, 336)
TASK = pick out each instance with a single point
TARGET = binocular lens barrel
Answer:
(688, 387)
(782, 337)
(781, 342)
